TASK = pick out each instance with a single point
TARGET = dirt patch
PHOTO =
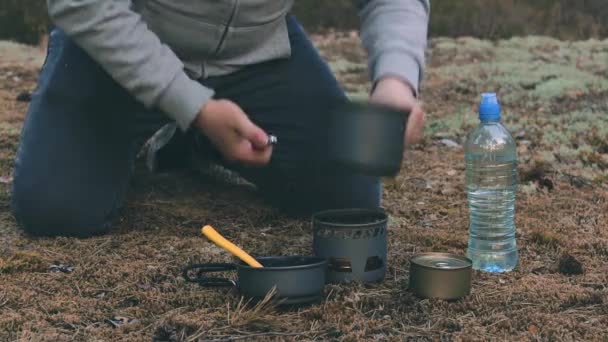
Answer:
(127, 285)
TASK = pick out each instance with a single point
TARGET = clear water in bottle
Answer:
(491, 184)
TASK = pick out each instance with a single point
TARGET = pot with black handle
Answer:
(296, 280)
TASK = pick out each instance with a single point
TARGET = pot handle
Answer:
(203, 280)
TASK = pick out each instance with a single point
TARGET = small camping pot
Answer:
(440, 275)
(366, 138)
(354, 243)
(296, 280)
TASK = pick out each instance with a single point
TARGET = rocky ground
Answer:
(127, 285)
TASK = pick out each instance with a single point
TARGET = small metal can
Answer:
(440, 275)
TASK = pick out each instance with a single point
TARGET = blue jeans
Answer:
(83, 131)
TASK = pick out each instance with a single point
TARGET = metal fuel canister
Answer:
(440, 275)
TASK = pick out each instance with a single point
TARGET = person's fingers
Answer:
(258, 138)
(237, 137)
(247, 154)
(248, 130)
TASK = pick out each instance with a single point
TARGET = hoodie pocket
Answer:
(257, 32)
(256, 43)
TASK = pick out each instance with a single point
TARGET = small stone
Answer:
(449, 143)
(569, 265)
(441, 135)
(452, 173)
(24, 96)
(61, 268)
(165, 333)
(119, 321)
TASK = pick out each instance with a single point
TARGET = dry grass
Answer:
(132, 276)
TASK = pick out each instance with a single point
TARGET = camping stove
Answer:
(354, 243)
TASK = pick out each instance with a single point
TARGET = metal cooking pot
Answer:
(366, 138)
(296, 279)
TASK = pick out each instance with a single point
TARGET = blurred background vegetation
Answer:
(26, 20)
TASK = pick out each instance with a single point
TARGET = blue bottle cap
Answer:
(489, 108)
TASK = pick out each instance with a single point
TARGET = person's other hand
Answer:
(395, 93)
(234, 135)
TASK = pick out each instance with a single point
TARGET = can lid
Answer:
(442, 261)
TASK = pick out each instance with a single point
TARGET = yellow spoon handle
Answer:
(219, 240)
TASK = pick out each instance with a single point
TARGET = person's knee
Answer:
(48, 212)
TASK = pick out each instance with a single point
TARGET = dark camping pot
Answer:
(367, 138)
(296, 279)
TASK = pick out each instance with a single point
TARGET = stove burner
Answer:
(354, 242)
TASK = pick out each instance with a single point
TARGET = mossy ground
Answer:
(555, 100)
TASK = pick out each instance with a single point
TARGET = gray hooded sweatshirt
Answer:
(157, 49)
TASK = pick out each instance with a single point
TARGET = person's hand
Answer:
(395, 93)
(234, 135)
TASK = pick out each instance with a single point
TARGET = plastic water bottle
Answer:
(491, 184)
